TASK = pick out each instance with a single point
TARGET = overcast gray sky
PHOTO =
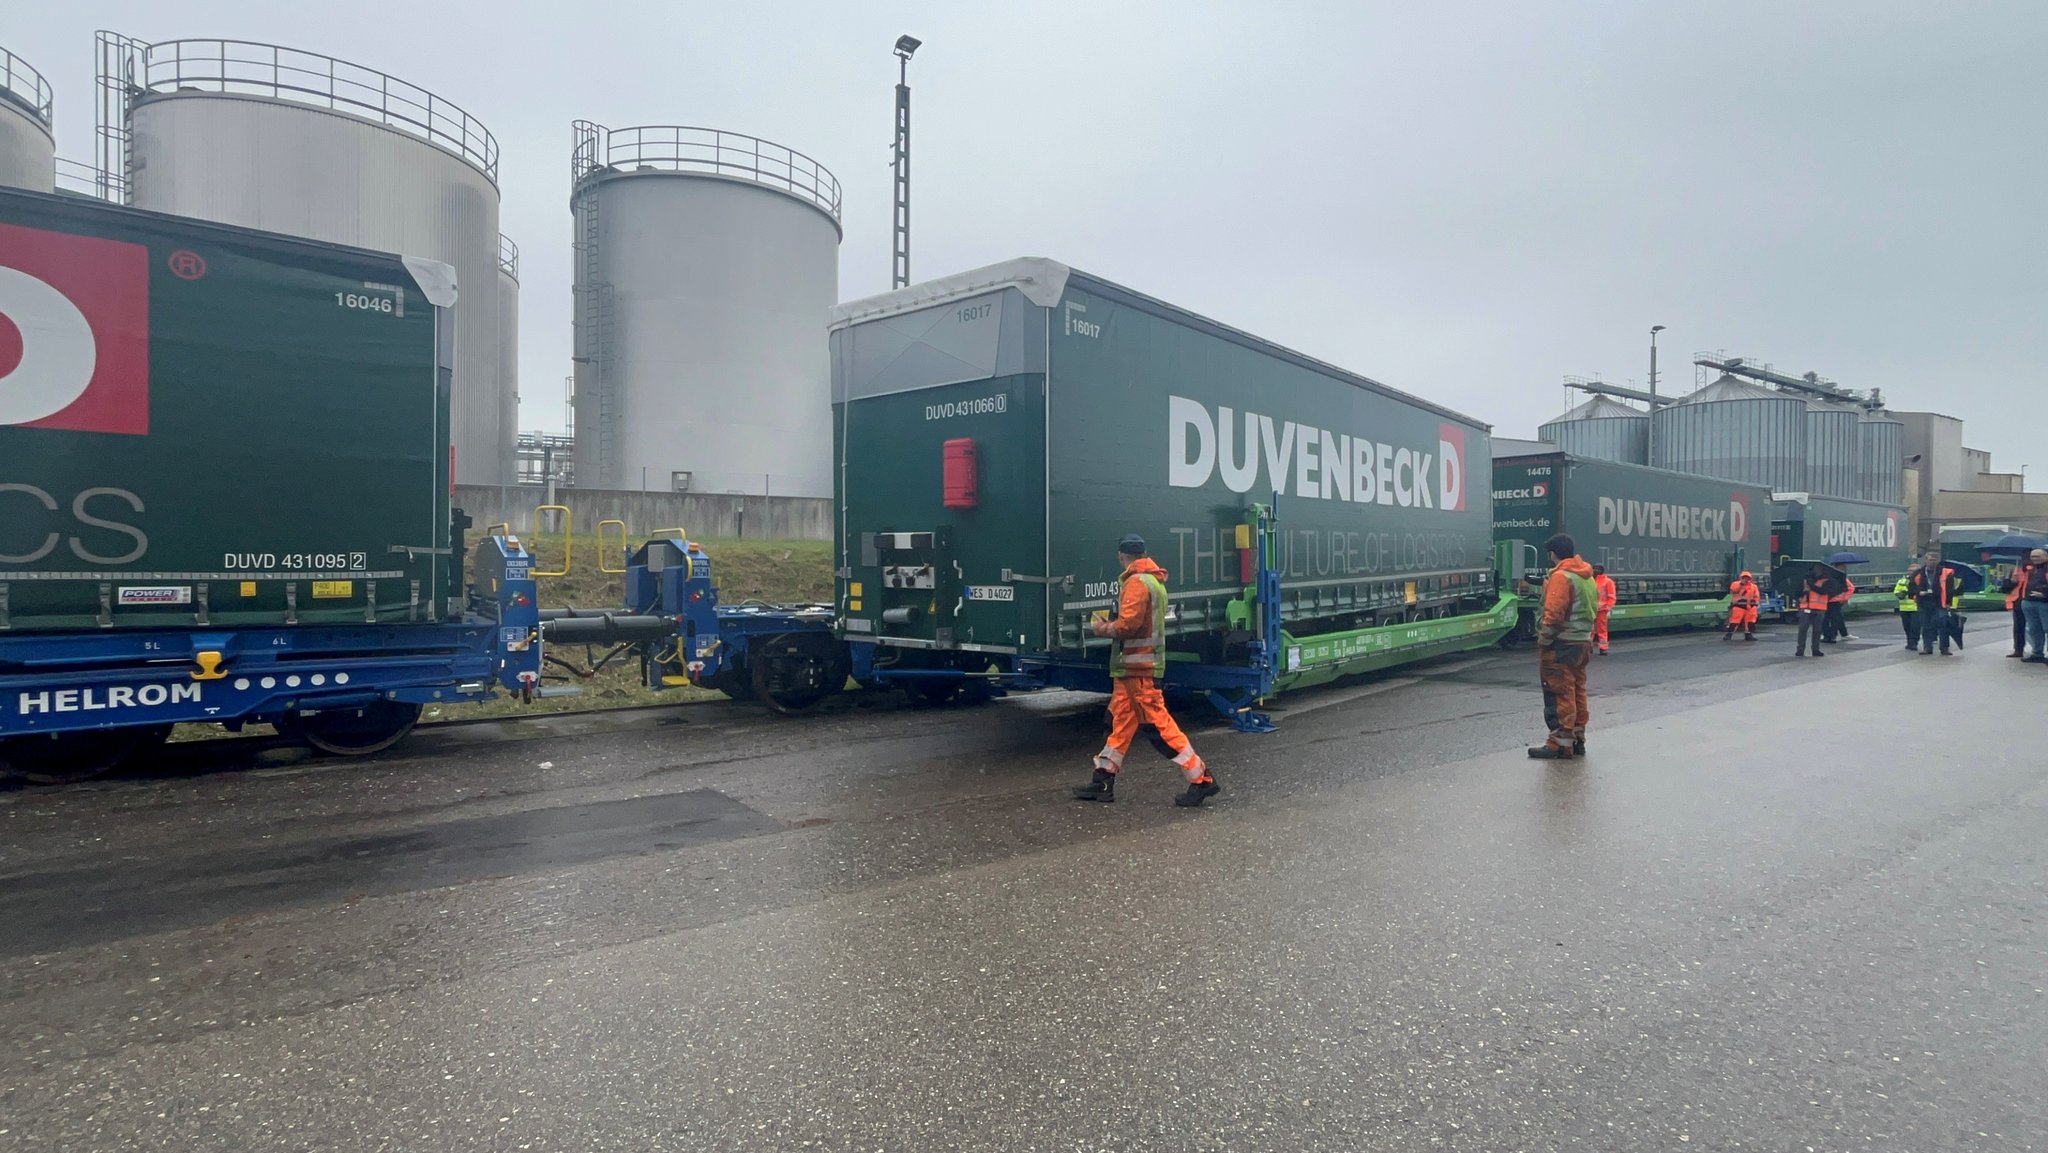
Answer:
(1466, 200)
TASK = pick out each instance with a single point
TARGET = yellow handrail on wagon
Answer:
(601, 566)
(568, 538)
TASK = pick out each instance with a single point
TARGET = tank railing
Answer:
(683, 148)
(249, 68)
(80, 177)
(25, 86)
(508, 256)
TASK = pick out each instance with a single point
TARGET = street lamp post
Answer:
(1654, 330)
(900, 265)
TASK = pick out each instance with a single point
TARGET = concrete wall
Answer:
(703, 514)
(1998, 482)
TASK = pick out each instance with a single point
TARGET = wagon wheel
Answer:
(794, 672)
(62, 758)
(355, 731)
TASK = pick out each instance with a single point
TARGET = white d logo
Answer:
(57, 349)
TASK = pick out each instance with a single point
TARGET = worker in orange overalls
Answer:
(1743, 596)
(1602, 607)
(1564, 646)
(1136, 658)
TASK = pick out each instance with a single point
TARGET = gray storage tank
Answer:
(1736, 431)
(268, 137)
(706, 266)
(508, 336)
(28, 144)
(1601, 429)
(1832, 448)
(1880, 459)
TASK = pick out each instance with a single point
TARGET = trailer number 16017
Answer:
(364, 302)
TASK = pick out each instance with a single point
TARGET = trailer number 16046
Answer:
(365, 302)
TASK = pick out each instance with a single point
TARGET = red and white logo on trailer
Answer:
(1450, 447)
(74, 332)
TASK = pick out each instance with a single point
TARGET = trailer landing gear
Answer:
(79, 755)
(1239, 712)
(352, 732)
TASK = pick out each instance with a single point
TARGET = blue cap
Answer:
(1131, 545)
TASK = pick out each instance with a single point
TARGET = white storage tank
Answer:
(28, 144)
(508, 338)
(295, 142)
(1601, 429)
(705, 265)
(1738, 431)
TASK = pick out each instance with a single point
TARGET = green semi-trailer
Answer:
(208, 425)
(1672, 541)
(1808, 527)
(998, 431)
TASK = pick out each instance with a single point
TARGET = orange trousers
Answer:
(1600, 628)
(1562, 667)
(1135, 701)
(1741, 617)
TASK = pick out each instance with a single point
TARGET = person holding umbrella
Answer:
(1816, 593)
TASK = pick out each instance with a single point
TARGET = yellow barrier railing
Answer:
(601, 554)
(568, 538)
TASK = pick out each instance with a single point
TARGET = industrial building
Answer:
(28, 142)
(296, 142)
(706, 263)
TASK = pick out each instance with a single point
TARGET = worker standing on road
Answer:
(1935, 589)
(1564, 647)
(1137, 656)
(2034, 603)
(1743, 598)
(1605, 605)
(1815, 592)
(2015, 587)
(1909, 614)
(1836, 625)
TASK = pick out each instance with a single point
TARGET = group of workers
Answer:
(1571, 628)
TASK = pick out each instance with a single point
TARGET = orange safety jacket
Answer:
(2019, 585)
(1139, 627)
(1848, 590)
(1605, 584)
(1746, 593)
(1811, 596)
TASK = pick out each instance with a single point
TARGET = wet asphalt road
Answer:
(1784, 905)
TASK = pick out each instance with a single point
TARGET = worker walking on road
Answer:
(1743, 598)
(1836, 625)
(1605, 605)
(1564, 647)
(1909, 609)
(1137, 657)
(1815, 593)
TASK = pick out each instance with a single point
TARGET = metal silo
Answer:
(1880, 459)
(28, 148)
(1736, 431)
(295, 142)
(1831, 448)
(705, 265)
(508, 336)
(1601, 429)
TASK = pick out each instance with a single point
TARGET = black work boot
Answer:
(1198, 792)
(1101, 787)
(1550, 752)
(1578, 746)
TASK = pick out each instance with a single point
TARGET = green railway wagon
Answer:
(212, 426)
(998, 431)
(1809, 527)
(1672, 541)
